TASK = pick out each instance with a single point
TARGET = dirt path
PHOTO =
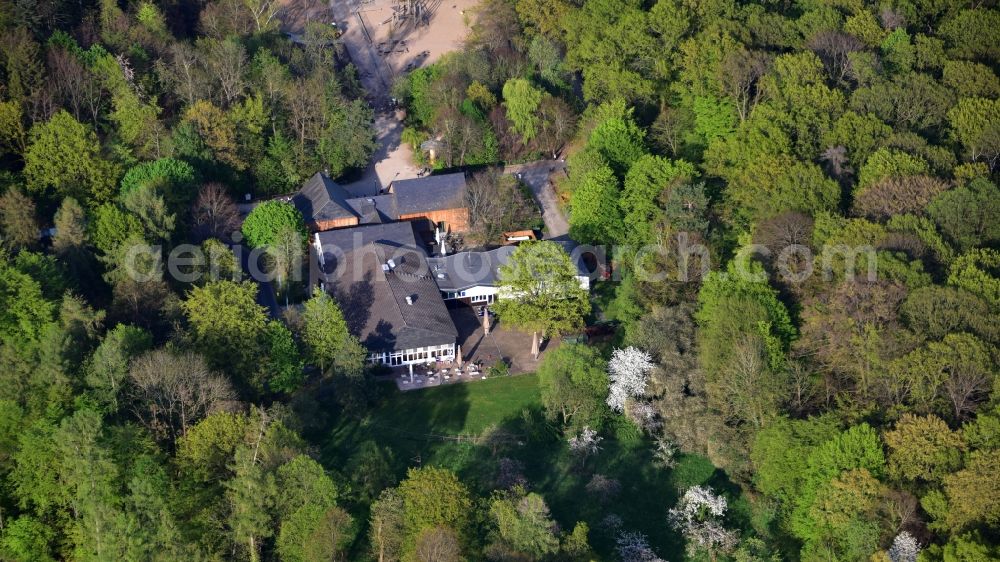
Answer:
(382, 49)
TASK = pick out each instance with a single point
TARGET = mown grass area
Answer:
(420, 421)
(441, 426)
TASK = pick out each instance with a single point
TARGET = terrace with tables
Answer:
(437, 373)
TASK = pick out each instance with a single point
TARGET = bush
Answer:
(625, 430)
(691, 470)
(499, 369)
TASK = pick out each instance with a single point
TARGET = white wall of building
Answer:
(480, 294)
(418, 356)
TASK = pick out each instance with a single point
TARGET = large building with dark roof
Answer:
(393, 305)
(375, 258)
(431, 201)
(394, 294)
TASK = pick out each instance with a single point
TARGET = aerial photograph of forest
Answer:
(500, 280)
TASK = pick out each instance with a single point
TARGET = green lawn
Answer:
(425, 424)
(436, 426)
(463, 409)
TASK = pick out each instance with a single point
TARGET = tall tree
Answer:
(170, 392)
(228, 324)
(573, 385)
(649, 182)
(262, 226)
(214, 214)
(18, 225)
(108, 368)
(434, 497)
(975, 122)
(541, 291)
(595, 216)
(523, 526)
(745, 331)
(329, 343)
(522, 100)
(64, 159)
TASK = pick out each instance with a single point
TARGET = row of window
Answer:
(449, 295)
(418, 355)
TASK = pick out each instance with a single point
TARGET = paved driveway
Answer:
(512, 345)
(536, 176)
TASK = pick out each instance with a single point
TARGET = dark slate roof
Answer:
(469, 269)
(373, 298)
(463, 270)
(337, 243)
(377, 209)
(430, 193)
(322, 199)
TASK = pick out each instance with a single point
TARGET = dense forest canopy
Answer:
(827, 388)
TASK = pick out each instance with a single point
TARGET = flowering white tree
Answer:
(665, 453)
(633, 547)
(586, 443)
(698, 516)
(628, 373)
(905, 548)
(603, 488)
(611, 522)
(644, 415)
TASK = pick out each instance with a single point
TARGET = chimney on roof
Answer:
(409, 299)
(391, 263)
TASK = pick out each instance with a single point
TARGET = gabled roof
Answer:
(373, 296)
(322, 199)
(430, 193)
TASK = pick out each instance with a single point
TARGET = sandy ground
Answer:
(383, 48)
(412, 42)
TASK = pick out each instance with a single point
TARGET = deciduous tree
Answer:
(544, 293)
(214, 215)
(923, 449)
(262, 225)
(329, 343)
(228, 324)
(522, 100)
(595, 216)
(975, 122)
(170, 392)
(573, 385)
(64, 159)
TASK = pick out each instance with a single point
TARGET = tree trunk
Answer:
(534, 345)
